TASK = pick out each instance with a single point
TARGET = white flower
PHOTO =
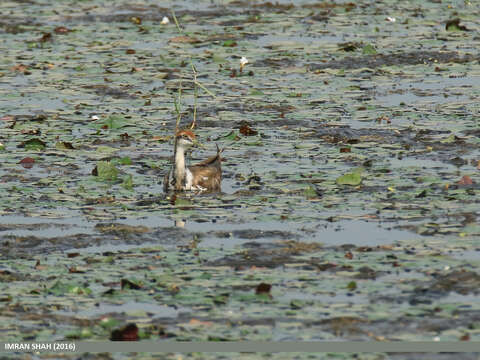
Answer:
(95, 117)
(436, 338)
(391, 19)
(243, 61)
(446, 268)
(165, 21)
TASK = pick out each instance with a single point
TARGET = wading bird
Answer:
(204, 176)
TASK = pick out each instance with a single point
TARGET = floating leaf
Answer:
(352, 179)
(61, 30)
(218, 59)
(221, 299)
(27, 162)
(352, 285)
(182, 202)
(454, 25)
(246, 130)
(369, 50)
(131, 284)
(113, 122)
(232, 135)
(34, 144)
(449, 140)
(310, 192)
(465, 181)
(127, 333)
(229, 43)
(161, 138)
(62, 288)
(297, 304)
(63, 145)
(105, 170)
(256, 92)
(184, 40)
(122, 161)
(128, 182)
(109, 322)
(84, 333)
(263, 288)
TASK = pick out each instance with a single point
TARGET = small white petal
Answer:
(165, 21)
(446, 268)
(391, 19)
(436, 338)
(243, 61)
(95, 117)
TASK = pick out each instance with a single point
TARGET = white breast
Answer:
(188, 179)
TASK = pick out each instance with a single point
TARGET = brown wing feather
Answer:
(211, 159)
(209, 177)
(208, 173)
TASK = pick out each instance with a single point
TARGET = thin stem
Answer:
(176, 22)
(205, 89)
(178, 106)
(195, 96)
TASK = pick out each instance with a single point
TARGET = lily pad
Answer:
(106, 171)
(34, 144)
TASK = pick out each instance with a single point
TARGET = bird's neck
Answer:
(179, 167)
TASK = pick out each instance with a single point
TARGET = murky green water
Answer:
(337, 93)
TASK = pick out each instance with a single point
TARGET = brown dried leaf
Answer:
(21, 69)
(263, 288)
(61, 30)
(465, 180)
(184, 40)
(27, 162)
(125, 283)
(46, 37)
(127, 333)
(246, 130)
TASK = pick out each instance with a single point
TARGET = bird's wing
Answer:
(207, 176)
(211, 160)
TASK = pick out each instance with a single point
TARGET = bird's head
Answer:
(186, 139)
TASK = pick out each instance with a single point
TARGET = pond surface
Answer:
(350, 198)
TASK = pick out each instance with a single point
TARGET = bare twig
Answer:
(178, 106)
(176, 22)
(195, 96)
(206, 90)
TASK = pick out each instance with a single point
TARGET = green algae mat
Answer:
(350, 196)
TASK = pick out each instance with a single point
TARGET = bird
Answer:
(205, 176)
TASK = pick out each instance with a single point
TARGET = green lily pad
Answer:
(128, 182)
(352, 179)
(369, 49)
(106, 171)
(63, 288)
(310, 192)
(232, 135)
(34, 144)
(113, 122)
